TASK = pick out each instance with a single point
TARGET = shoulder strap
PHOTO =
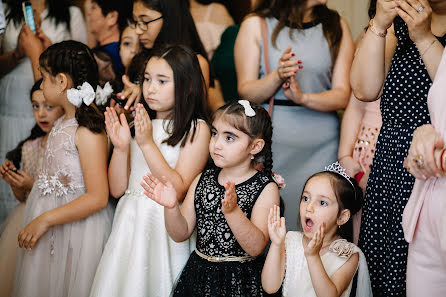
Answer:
(266, 60)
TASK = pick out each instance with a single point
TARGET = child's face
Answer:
(44, 114)
(144, 14)
(129, 46)
(229, 147)
(158, 87)
(318, 204)
(51, 90)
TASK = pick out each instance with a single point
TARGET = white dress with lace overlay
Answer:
(64, 260)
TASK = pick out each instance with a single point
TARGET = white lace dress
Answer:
(140, 259)
(64, 260)
(297, 282)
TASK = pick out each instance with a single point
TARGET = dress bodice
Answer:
(61, 172)
(214, 236)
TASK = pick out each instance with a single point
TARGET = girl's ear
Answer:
(63, 82)
(257, 146)
(343, 217)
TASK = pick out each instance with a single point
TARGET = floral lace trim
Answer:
(60, 184)
(342, 248)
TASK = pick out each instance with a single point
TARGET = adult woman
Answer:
(304, 98)
(412, 40)
(424, 222)
(58, 21)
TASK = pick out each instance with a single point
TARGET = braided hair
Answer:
(76, 60)
(258, 126)
(15, 156)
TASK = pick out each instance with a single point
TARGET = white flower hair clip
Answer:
(84, 93)
(248, 109)
(102, 94)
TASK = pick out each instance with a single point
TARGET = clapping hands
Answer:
(162, 193)
(276, 226)
(314, 246)
(117, 129)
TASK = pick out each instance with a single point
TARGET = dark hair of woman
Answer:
(57, 10)
(349, 196)
(258, 126)
(15, 156)
(290, 13)
(178, 27)
(76, 60)
(190, 101)
(123, 7)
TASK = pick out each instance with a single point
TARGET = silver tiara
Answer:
(337, 168)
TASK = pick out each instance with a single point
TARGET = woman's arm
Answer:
(252, 235)
(94, 172)
(247, 63)
(369, 68)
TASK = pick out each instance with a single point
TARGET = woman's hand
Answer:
(292, 91)
(287, 67)
(229, 203)
(385, 13)
(276, 226)
(314, 246)
(162, 193)
(143, 126)
(117, 129)
(417, 14)
(352, 167)
(132, 92)
(30, 42)
(29, 236)
(421, 159)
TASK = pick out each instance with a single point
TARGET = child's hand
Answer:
(229, 203)
(20, 180)
(132, 92)
(162, 193)
(143, 126)
(29, 236)
(276, 226)
(118, 129)
(314, 246)
(6, 166)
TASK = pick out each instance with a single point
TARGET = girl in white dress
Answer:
(318, 261)
(29, 154)
(140, 259)
(66, 219)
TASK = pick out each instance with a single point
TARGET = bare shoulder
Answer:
(270, 195)
(86, 136)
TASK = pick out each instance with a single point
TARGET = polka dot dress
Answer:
(403, 109)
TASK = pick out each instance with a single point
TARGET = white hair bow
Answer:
(102, 94)
(248, 109)
(84, 93)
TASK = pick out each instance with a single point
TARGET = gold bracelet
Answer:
(376, 32)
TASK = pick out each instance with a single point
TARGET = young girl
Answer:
(318, 261)
(228, 203)
(29, 152)
(140, 259)
(128, 46)
(66, 225)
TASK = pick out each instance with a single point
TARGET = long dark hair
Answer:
(190, 101)
(258, 126)
(291, 12)
(76, 60)
(59, 10)
(15, 156)
(349, 196)
(178, 26)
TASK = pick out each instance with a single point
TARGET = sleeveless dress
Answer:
(297, 281)
(297, 154)
(424, 220)
(403, 109)
(140, 259)
(64, 260)
(32, 155)
(201, 277)
(16, 117)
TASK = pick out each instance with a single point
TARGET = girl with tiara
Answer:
(140, 259)
(66, 218)
(320, 261)
(228, 203)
